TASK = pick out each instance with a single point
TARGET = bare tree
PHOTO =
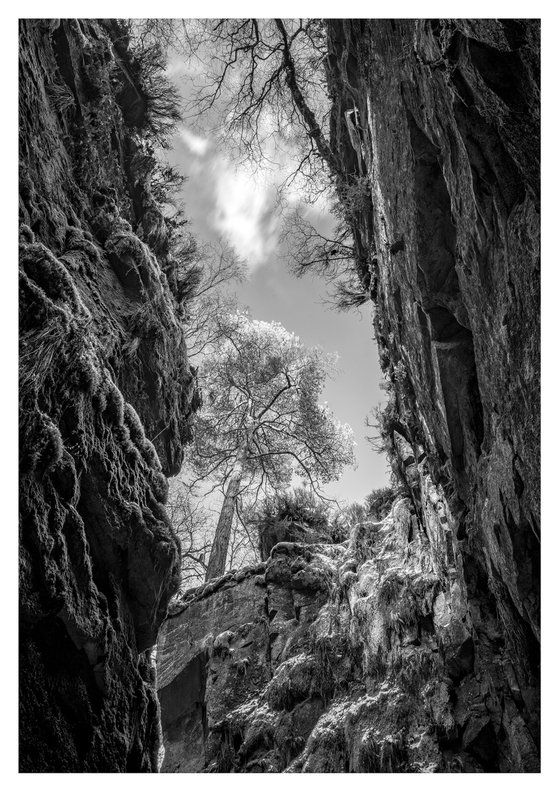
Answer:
(193, 525)
(219, 267)
(262, 421)
(265, 79)
(316, 252)
(268, 78)
(332, 256)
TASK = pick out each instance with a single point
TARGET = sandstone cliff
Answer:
(415, 647)
(105, 396)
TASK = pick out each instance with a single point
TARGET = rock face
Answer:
(359, 657)
(416, 647)
(452, 250)
(105, 396)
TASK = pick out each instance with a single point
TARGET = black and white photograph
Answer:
(279, 387)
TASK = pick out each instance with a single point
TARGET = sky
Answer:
(224, 200)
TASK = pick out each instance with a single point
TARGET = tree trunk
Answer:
(218, 554)
(305, 111)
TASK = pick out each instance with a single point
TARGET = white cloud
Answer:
(243, 206)
(176, 67)
(245, 214)
(195, 144)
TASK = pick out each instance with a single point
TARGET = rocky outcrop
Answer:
(451, 247)
(105, 397)
(360, 657)
(416, 647)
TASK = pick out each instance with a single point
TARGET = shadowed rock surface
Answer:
(105, 397)
(417, 647)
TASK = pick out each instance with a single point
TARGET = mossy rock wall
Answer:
(105, 397)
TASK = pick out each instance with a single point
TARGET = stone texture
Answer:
(338, 658)
(105, 397)
(451, 247)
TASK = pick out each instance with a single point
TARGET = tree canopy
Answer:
(262, 421)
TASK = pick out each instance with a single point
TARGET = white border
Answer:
(550, 380)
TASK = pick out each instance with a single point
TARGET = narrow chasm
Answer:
(206, 585)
